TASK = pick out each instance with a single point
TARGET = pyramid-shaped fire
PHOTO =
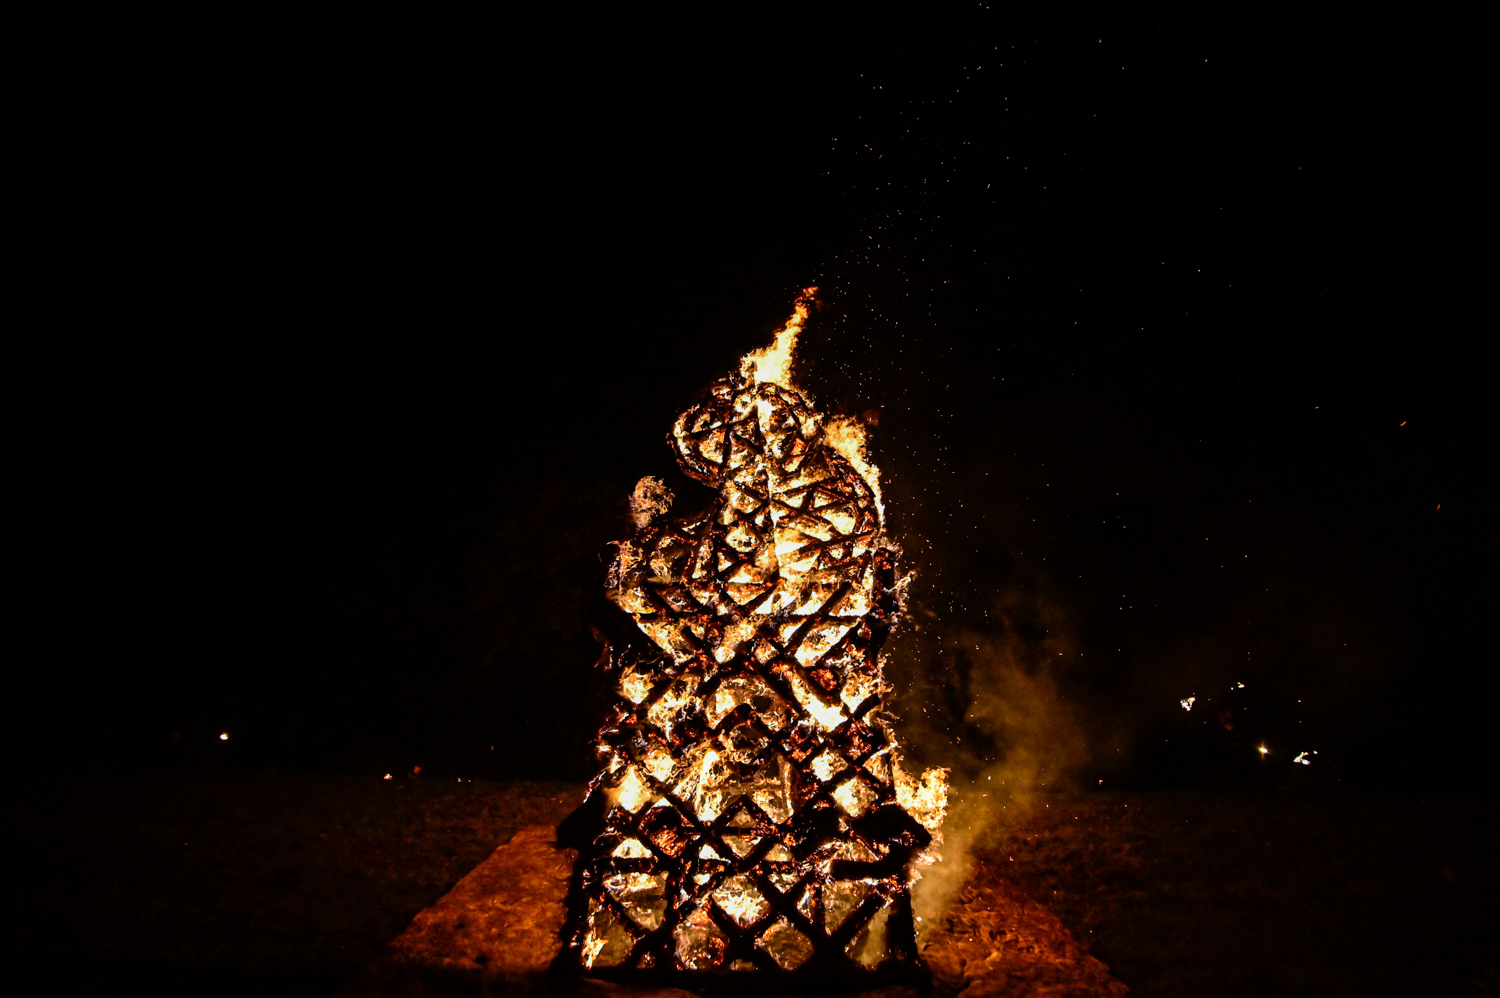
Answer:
(756, 813)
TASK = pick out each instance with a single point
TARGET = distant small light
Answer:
(224, 737)
(388, 776)
(1264, 750)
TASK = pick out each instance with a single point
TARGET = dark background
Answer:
(351, 340)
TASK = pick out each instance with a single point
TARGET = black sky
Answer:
(349, 344)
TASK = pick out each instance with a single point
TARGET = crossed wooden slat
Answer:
(671, 827)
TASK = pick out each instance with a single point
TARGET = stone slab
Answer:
(495, 932)
(498, 931)
(995, 942)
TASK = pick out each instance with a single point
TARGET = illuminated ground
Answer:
(204, 883)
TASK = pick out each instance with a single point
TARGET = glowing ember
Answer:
(756, 810)
(788, 947)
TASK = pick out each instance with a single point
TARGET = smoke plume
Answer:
(986, 701)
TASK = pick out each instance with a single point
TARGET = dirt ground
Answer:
(204, 883)
(1270, 894)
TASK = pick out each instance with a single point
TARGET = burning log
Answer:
(756, 812)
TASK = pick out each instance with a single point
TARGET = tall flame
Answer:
(774, 363)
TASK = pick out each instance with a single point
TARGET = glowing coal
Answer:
(757, 813)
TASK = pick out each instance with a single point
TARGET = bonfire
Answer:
(757, 815)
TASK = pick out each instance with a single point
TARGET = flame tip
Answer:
(773, 364)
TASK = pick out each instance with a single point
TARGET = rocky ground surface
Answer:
(204, 883)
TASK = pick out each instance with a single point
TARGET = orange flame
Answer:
(774, 363)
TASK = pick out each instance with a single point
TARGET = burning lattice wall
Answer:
(756, 813)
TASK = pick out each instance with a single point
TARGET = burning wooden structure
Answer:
(756, 813)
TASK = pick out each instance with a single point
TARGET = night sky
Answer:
(354, 345)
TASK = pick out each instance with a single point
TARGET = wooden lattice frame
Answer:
(767, 613)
